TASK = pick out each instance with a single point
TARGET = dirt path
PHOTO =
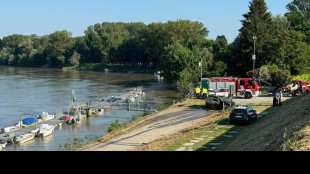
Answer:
(150, 130)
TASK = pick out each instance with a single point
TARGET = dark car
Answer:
(242, 114)
(217, 103)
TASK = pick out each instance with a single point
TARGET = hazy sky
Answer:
(221, 17)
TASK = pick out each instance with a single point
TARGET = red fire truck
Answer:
(237, 87)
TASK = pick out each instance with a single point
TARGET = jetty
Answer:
(132, 101)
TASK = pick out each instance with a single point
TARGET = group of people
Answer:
(201, 92)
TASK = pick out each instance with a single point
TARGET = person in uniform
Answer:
(198, 90)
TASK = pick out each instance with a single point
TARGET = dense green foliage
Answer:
(278, 42)
(175, 48)
(303, 77)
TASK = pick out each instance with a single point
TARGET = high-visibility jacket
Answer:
(205, 91)
(198, 90)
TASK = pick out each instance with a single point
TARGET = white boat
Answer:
(24, 138)
(45, 116)
(12, 128)
(2, 144)
(98, 112)
(75, 115)
(46, 130)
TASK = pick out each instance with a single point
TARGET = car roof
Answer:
(242, 107)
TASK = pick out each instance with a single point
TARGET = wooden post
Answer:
(193, 130)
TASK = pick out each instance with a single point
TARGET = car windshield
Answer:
(223, 90)
(239, 111)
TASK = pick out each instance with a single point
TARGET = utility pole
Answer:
(200, 64)
(254, 56)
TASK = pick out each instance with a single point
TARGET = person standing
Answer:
(205, 93)
(276, 98)
(198, 90)
(281, 96)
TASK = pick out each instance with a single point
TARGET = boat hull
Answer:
(25, 138)
(46, 130)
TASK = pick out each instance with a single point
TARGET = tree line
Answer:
(177, 47)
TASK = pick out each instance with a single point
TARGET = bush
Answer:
(279, 77)
(161, 106)
(115, 126)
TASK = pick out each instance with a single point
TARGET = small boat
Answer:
(45, 116)
(2, 144)
(29, 122)
(75, 115)
(98, 112)
(11, 128)
(46, 130)
(24, 138)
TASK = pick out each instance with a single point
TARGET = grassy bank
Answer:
(278, 128)
(212, 130)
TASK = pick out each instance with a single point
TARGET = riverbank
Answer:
(283, 128)
(152, 127)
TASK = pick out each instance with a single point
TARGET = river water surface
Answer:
(33, 91)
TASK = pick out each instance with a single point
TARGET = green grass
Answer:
(117, 125)
(216, 132)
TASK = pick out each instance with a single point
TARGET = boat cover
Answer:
(29, 121)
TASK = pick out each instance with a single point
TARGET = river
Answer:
(33, 91)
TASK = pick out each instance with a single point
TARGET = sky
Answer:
(41, 17)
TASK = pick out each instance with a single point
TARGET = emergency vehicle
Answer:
(238, 87)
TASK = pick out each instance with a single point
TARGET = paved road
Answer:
(155, 128)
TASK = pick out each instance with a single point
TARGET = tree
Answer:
(80, 47)
(263, 76)
(299, 12)
(280, 23)
(59, 48)
(220, 49)
(1, 44)
(257, 22)
(305, 29)
(95, 45)
(293, 52)
(185, 83)
(279, 77)
(75, 59)
(175, 59)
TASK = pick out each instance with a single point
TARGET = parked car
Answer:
(217, 103)
(242, 114)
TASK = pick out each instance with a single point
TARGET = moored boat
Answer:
(97, 112)
(45, 130)
(24, 138)
(2, 144)
(27, 122)
(75, 115)
(11, 128)
(45, 116)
